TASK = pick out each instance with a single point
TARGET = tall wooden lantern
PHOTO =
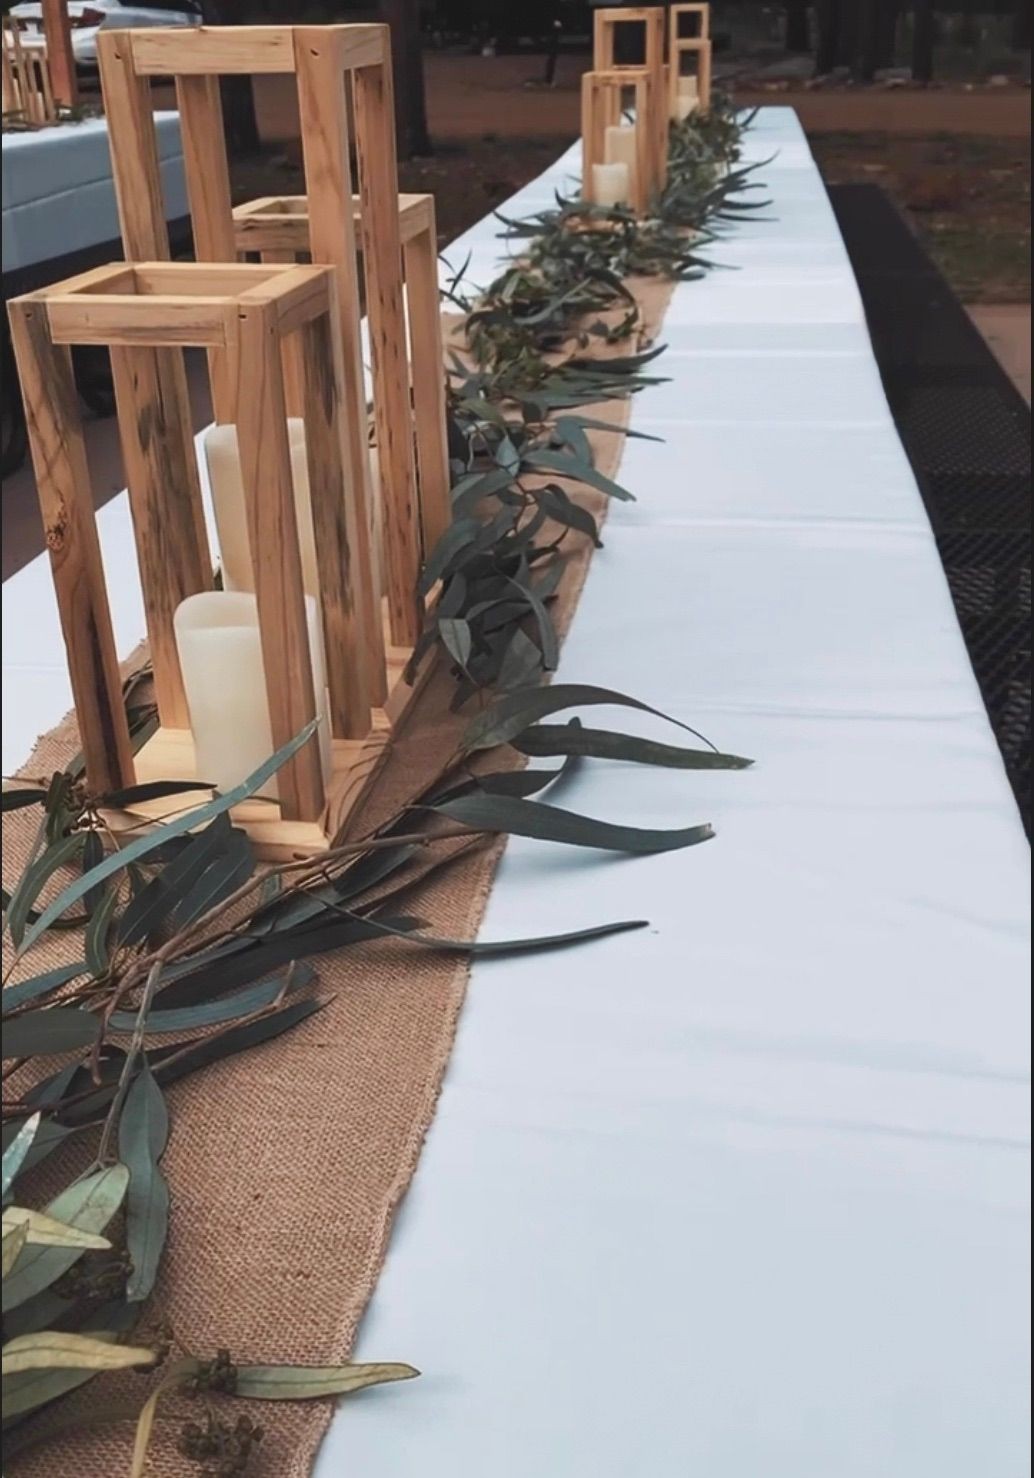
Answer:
(624, 111)
(257, 671)
(276, 228)
(343, 78)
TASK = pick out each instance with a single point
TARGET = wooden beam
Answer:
(60, 56)
(70, 529)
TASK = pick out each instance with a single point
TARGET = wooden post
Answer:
(211, 211)
(337, 531)
(328, 175)
(276, 561)
(70, 528)
(427, 366)
(165, 501)
(60, 56)
(382, 270)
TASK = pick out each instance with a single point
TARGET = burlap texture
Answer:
(287, 1163)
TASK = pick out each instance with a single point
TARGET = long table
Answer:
(746, 1193)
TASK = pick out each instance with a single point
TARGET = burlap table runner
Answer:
(287, 1163)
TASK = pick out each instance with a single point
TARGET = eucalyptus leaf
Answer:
(44, 1231)
(550, 739)
(45, 1033)
(35, 878)
(143, 1134)
(456, 638)
(17, 797)
(563, 465)
(16, 1151)
(40, 985)
(209, 1013)
(518, 817)
(508, 715)
(88, 1205)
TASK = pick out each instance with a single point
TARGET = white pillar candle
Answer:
(224, 476)
(684, 106)
(220, 652)
(688, 86)
(619, 147)
(610, 184)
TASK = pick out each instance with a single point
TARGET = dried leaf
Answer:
(53, 1351)
(549, 739)
(44, 1231)
(302, 1383)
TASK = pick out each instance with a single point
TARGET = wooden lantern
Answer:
(683, 46)
(253, 318)
(26, 77)
(343, 77)
(277, 229)
(603, 98)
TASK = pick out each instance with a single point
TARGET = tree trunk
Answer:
(866, 56)
(828, 19)
(847, 48)
(887, 33)
(797, 37)
(922, 41)
(403, 17)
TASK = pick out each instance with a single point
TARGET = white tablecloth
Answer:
(58, 194)
(744, 1195)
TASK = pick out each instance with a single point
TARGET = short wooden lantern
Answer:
(681, 48)
(256, 316)
(276, 228)
(604, 97)
(344, 88)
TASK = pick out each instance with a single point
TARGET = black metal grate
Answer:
(966, 430)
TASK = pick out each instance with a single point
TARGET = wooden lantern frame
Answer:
(339, 70)
(605, 24)
(253, 314)
(702, 14)
(27, 85)
(685, 46)
(602, 108)
(277, 228)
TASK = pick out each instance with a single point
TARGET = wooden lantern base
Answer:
(169, 755)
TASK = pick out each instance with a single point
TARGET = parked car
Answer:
(88, 16)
